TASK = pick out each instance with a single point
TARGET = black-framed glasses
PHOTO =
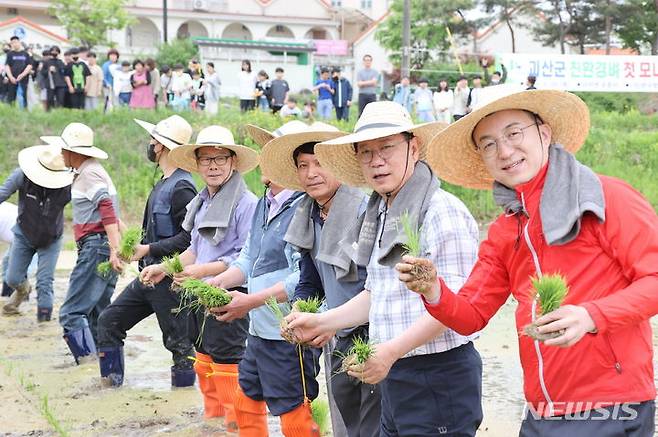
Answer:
(205, 161)
(385, 153)
(513, 136)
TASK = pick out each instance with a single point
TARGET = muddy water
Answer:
(35, 362)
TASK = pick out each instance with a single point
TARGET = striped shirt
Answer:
(94, 200)
(449, 238)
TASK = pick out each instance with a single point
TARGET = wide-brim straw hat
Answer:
(378, 120)
(276, 161)
(77, 138)
(214, 136)
(452, 152)
(263, 136)
(44, 165)
(171, 132)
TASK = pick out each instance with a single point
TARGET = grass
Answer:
(203, 294)
(622, 143)
(104, 269)
(550, 291)
(50, 417)
(130, 238)
(172, 265)
(320, 413)
(412, 246)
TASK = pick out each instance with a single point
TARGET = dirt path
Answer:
(35, 364)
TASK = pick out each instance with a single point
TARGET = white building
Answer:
(298, 35)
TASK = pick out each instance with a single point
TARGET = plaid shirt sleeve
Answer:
(449, 237)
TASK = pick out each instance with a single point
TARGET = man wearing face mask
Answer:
(163, 236)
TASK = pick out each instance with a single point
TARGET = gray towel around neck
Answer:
(214, 223)
(345, 208)
(571, 189)
(414, 198)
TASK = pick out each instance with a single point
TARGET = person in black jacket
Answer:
(342, 96)
(52, 75)
(163, 236)
(18, 66)
(44, 188)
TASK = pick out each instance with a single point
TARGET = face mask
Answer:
(150, 153)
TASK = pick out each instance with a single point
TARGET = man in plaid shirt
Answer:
(431, 377)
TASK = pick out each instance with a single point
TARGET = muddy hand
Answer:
(418, 275)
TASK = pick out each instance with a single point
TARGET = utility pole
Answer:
(406, 36)
(164, 21)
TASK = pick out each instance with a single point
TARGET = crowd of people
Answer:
(316, 233)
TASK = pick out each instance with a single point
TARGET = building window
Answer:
(366, 4)
(12, 11)
(337, 3)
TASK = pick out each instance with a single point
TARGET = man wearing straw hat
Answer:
(96, 231)
(43, 183)
(163, 236)
(588, 366)
(218, 219)
(273, 373)
(430, 376)
(326, 271)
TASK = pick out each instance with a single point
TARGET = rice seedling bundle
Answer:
(550, 291)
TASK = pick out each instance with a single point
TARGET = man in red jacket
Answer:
(595, 377)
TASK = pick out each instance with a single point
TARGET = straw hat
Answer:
(262, 136)
(276, 162)
(378, 120)
(171, 132)
(78, 138)
(217, 136)
(452, 152)
(44, 165)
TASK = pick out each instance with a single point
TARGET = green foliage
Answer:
(550, 291)
(309, 305)
(611, 102)
(203, 294)
(412, 234)
(87, 22)
(178, 51)
(279, 310)
(429, 19)
(320, 413)
(639, 27)
(361, 350)
(172, 264)
(131, 237)
(104, 269)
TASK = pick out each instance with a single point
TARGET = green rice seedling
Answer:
(279, 310)
(550, 291)
(360, 351)
(203, 294)
(320, 413)
(412, 246)
(308, 305)
(172, 265)
(104, 269)
(129, 241)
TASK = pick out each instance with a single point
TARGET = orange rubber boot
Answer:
(251, 415)
(225, 378)
(212, 407)
(299, 422)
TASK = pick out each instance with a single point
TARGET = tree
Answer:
(178, 51)
(88, 22)
(429, 20)
(507, 11)
(639, 29)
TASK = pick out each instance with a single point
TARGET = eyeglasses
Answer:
(385, 153)
(512, 136)
(205, 161)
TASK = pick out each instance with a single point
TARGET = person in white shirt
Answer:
(123, 89)
(461, 98)
(247, 87)
(443, 101)
(181, 87)
(213, 84)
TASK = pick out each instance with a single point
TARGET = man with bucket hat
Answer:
(96, 233)
(587, 365)
(430, 377)
(326, 271)
(218, 219)
(43, 183)
(163, 236)
(273, 373)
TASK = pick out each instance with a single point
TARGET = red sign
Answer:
(330, 47)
